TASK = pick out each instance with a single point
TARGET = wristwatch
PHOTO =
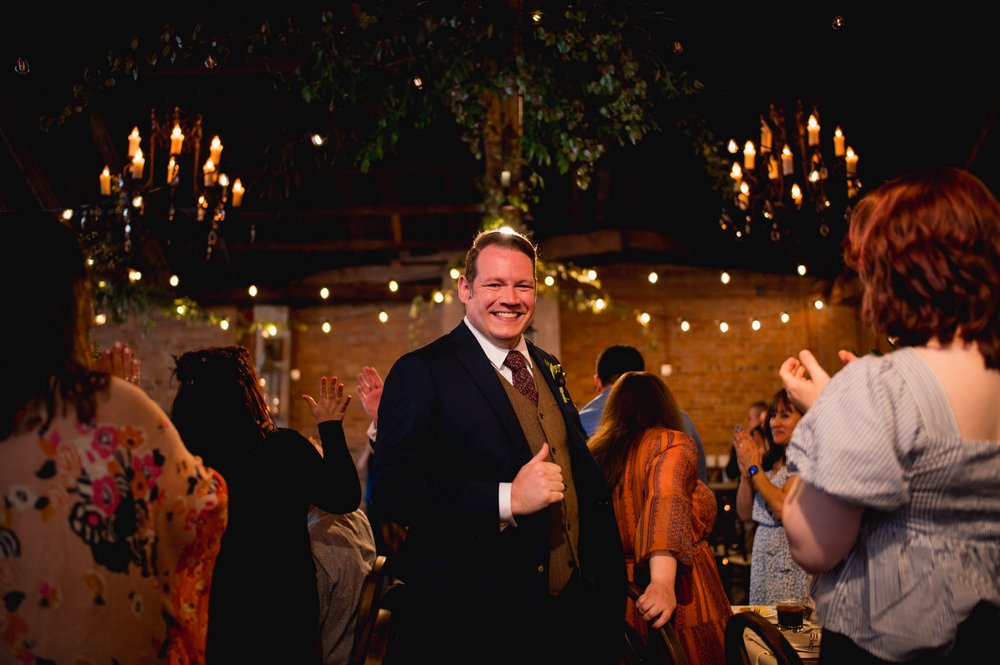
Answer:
(752, 471)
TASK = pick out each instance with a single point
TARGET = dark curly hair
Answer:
(220, 410)
(926, 246)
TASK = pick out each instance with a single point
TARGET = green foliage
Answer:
(588, 75)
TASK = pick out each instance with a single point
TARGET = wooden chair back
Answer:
(378, 580)
(662, 647)
(765, 632)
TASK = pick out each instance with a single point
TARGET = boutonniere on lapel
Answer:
(559, 376)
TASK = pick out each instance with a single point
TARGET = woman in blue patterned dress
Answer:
(764, 481)
(898, 506)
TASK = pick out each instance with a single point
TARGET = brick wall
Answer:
(714, 375)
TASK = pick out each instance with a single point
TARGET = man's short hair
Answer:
(616, 360)
(505, 238)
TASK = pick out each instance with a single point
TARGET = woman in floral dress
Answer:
(109, 527)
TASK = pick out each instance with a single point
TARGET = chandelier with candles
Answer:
(789, 185)
(146, 206)
(141, 178)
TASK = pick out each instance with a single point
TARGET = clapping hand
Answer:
(370, 391)
(120, 361)
(332, 400)
(805, 378)
(748, 453)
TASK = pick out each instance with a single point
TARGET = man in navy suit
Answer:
(512, 552)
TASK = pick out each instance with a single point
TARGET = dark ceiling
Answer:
(910, 89)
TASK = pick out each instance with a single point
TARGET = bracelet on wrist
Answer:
(753, 471)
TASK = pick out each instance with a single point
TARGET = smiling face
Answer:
(783, 424)
(500, 302)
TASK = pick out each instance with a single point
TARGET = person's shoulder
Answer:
(126, 400)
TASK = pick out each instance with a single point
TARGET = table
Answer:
(806, 642)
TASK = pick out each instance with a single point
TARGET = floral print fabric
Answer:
(108, 534)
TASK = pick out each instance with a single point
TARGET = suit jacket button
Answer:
(541, 568)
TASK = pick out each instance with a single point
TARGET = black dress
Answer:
(263, 606)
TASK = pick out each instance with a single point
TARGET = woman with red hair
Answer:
(897, 508)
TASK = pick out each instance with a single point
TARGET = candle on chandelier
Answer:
(209, 170)
(138, 164)
(786, 161)
(838, 142)
(173, 168)
(797, 195)
(176, 140)
(237, 193)
(772, 168)
(744, 197)
(765, 136)
(748, 156)
(813, 128)
(105, 182)
(737, 175)
(215, 151)
(852, 162)
(133, 142)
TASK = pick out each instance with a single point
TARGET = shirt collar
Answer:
(497, 354)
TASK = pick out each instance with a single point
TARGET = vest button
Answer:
(541, 568)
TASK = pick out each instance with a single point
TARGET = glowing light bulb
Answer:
(818, 304)
(685, 326)
(393, 285)
(181, 310)
(252, 291)
(327, 327)
(324, 293)
(224, 324)
(174, 280)
(438, 297)
(100, 319)
(755, 324)
(801, 269)
(784, 317)
(724, 327)
(724, 277)
(383, 316)
(653, 277)
(272, 329)
(600, 304)
(644, 318)
(454, 273)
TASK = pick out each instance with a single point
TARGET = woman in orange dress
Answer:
(665, 514)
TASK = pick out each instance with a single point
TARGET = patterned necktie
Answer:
(523, 381)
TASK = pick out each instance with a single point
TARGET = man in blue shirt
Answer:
(611, 364)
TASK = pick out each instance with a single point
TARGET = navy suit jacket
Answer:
(447, 436)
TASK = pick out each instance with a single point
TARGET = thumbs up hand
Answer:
(538, 484)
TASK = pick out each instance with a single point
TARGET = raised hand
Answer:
(332, 402)
(538, 484)
(805, 378)
(120, 361)
(370, 391)
(748, 453)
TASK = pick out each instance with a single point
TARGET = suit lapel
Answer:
(573, 429)
(470, 354)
